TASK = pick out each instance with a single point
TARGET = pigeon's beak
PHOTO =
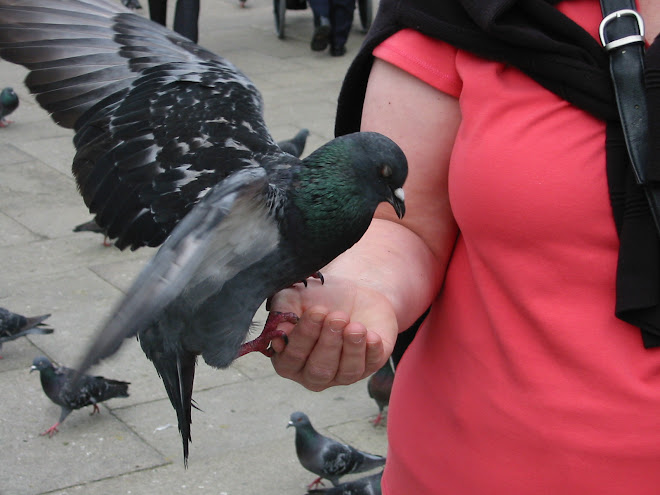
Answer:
(397, 201)
(33, 368)
(289, 424)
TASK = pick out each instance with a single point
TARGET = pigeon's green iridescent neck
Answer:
(328, 189)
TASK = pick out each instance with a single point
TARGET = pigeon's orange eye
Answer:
(385, 171)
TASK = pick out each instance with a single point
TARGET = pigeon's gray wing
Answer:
(228, 230)
(90, 390)
(158, 119)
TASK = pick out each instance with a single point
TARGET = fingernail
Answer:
(317, 317)
(356, 338)
(337, 325)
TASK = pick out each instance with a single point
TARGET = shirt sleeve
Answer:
(428, 59)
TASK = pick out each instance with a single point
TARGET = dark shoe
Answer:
(321, 35)
(337, 51)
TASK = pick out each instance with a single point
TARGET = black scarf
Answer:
(556, 52)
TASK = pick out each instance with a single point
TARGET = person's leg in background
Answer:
(341, 13)
(186, 19)
(322, 25)
(158, 11)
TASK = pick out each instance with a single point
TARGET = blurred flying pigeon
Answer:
(325, 457)
(379, 387)
(8, 103)
(296, 145)
(369, 485)
(92, 226)
(13, 325)
(171, 144)
(57, 384)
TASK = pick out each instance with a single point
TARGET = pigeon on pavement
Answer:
(369, 485)
(325, 457)
(13, 325)
(379, 387)
(8, 103)
(132, 4)
(57, 382)
(171, 144)
(92, 226)
(296, 145)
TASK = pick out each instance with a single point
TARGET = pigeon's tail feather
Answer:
(177, 370)
(296, 145)
(39, 330)
(369, 462)
(34, 321)
(116, 388)
(26, 326)
(90, 226)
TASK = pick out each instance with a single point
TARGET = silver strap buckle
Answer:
(626, 40)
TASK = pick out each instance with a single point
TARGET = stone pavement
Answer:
(240, 443)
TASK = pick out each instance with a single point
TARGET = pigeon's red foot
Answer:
(106, 241)
(315, 483)
(95, 410)
(5, 122)
(270, 332)
(51, 431)
(378, 420)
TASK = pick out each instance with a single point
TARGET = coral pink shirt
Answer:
(522, 381)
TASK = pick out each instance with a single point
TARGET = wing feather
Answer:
(211, 243)
(158, 119)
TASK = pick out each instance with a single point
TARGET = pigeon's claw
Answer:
(317, 275)
(95, 410)
(270, 332)
(5, 122)
(106, 241)
(51, 431)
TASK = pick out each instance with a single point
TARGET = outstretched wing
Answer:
(158, 119)
(228, 230)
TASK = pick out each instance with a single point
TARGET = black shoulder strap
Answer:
(622, 35)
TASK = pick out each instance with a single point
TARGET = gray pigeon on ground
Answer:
(171, 144)
(13, 325)
(92, 226)
(328, 458)
(379, 387)
(57, 382)
(369, 485)
(296, 145)
(8, 103)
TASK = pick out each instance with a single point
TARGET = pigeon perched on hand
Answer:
(57, 382)
(8, 103)
(296, 145)
(325, 457)
(379, 387)
(13, 325)
(369, 485)
(171, 144)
